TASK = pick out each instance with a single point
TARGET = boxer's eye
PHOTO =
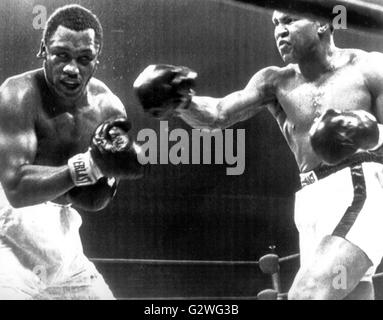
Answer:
(84, 60)
(289, 20)
(62, 56)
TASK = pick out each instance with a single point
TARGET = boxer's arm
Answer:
(24, 183)
(373, 73)
(110, 104)
(238, 106)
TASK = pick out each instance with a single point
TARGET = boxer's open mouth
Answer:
(284, 45)
(70, 85)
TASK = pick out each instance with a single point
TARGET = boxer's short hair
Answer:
(74, 17)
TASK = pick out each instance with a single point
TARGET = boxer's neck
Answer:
(62, 104)
(318, 61)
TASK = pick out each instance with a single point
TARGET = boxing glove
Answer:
(163, 88)
(93, 197)
(111, 154)
(337, 135)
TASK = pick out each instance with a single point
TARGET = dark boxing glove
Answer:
(163, 88)
(93, 197)
(111, 154)
(337, 135)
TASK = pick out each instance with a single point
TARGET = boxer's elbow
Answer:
(223, 121)
(16, 196)
(221, 118)
(16, 200)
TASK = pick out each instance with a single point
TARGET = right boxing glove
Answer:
(163, 88)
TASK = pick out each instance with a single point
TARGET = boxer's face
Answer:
(295, 36)
(71, 60)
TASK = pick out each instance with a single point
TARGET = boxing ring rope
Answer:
(187, 262)
(175, 262)
(269, 265)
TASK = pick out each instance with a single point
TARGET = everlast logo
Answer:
(81, 172)
(308, 179)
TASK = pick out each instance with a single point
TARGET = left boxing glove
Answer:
(163, 88)
(111, 154)
(337, 135)
(94, 197)
(113, 151)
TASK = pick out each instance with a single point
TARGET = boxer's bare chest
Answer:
(300, 102)
(304, 101)
(60, 134)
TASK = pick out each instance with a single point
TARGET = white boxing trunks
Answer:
(41, 255)
(346, 203)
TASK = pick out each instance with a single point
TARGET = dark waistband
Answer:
(326, 170)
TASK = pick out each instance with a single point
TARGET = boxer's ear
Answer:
(323, 28)
(42, 51)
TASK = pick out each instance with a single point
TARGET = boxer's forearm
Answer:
(36, 184)
(203, 112)
(214, 113)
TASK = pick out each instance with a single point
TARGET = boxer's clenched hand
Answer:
(163, 88)
(111, 154)
(336, 135)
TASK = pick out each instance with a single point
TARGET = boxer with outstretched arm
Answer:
(64, 144)
(328, 103)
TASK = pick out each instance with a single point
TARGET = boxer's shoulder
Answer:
(272, 77)
(370, 66)
(370, 62)
(19, 85)
(98, 87)
(280, 77)
(19, 92)
(282, 74)
(278, 73)
(101, 95)
(365, 61)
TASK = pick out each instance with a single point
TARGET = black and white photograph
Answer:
(191, 154)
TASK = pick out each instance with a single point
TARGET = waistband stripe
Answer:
(315, 175)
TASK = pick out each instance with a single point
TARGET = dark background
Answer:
(192, 212)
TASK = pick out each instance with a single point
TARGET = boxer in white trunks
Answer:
(328, 103)
(53, 160)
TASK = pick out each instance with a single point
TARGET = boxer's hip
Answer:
(346, 204)
(45, 235)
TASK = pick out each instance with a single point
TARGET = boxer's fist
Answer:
(337, 135)
(113, 151)
(163, 88)
(111, 154)
(93, 197)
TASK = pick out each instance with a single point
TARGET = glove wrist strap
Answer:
(83, 170)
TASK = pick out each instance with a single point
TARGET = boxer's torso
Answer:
(301, 101)
(62, 132)
(47, 233)
(58, 131)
